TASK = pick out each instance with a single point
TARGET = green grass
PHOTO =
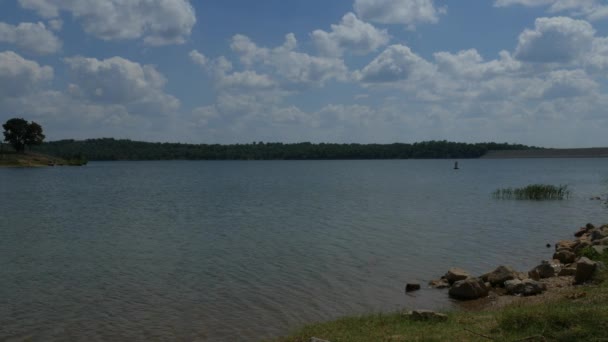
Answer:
(555, 319)
(29, 159)
(534, 192)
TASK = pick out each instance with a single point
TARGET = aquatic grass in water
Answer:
(534, 192)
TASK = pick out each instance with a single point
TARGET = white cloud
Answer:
(555, 40)
(598, 58)
(247, 80)
(198, 58)
(470, 64)
(119, 81)
(56, 24)
(292, 67)
(351, 35)
(591, 9)
(19, 76)
(569, 83)
(396, 63)
(30, 37)
(159, 22)
(407, 12)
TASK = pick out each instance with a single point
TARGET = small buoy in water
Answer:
(548, 245)
(455, 165)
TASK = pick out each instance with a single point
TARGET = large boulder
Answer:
(470, 288)
(584, 270)
(455, 274)
(500, 275)
(565, 256)
(527, 287)
(544, 270)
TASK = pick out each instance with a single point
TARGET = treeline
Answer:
(114, 149)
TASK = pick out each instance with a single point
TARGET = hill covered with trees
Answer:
(115, 149)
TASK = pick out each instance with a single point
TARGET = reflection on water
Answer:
(228, 251)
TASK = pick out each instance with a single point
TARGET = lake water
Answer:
(246, 250)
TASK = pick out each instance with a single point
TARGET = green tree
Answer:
(19, 133)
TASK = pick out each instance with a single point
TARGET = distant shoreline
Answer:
(596, 152)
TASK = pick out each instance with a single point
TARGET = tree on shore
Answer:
(20, 133)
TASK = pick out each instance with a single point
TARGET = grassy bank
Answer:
(29, 159)
(577, 314)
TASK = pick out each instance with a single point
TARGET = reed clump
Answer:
(534, 192)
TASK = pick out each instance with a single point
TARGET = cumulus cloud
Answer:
(591, 9)
(407, 12)
(56, 24)
(19, 76)
(568, 83)
(119, 81)
(555, 40)
(198, 58)
(32, 38)
(470, 64)
(292, 67)
(159, 22)
(396, 63)
(352, 35)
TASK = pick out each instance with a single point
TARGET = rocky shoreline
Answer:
(568, 267)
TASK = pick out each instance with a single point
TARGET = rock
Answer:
(471, 288)
(598, 235)
(564, 244)
(584, 270)
(409, 287)
(428, 315)
(582, 244)
(567, 271)
(580, 232)
(455, 274)
(314, 339)
(526, 287)
(544, 270)
(602, 242)
(500, 275)
(600, 249)
(439, 283)
(564, 256)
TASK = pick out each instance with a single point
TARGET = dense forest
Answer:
(114, 149)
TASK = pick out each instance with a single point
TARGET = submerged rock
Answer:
(471, 288)
(410, 287)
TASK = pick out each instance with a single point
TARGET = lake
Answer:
(246, 250)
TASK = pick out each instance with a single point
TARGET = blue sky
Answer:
(237, 71)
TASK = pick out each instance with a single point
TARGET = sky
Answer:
(364, 71)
